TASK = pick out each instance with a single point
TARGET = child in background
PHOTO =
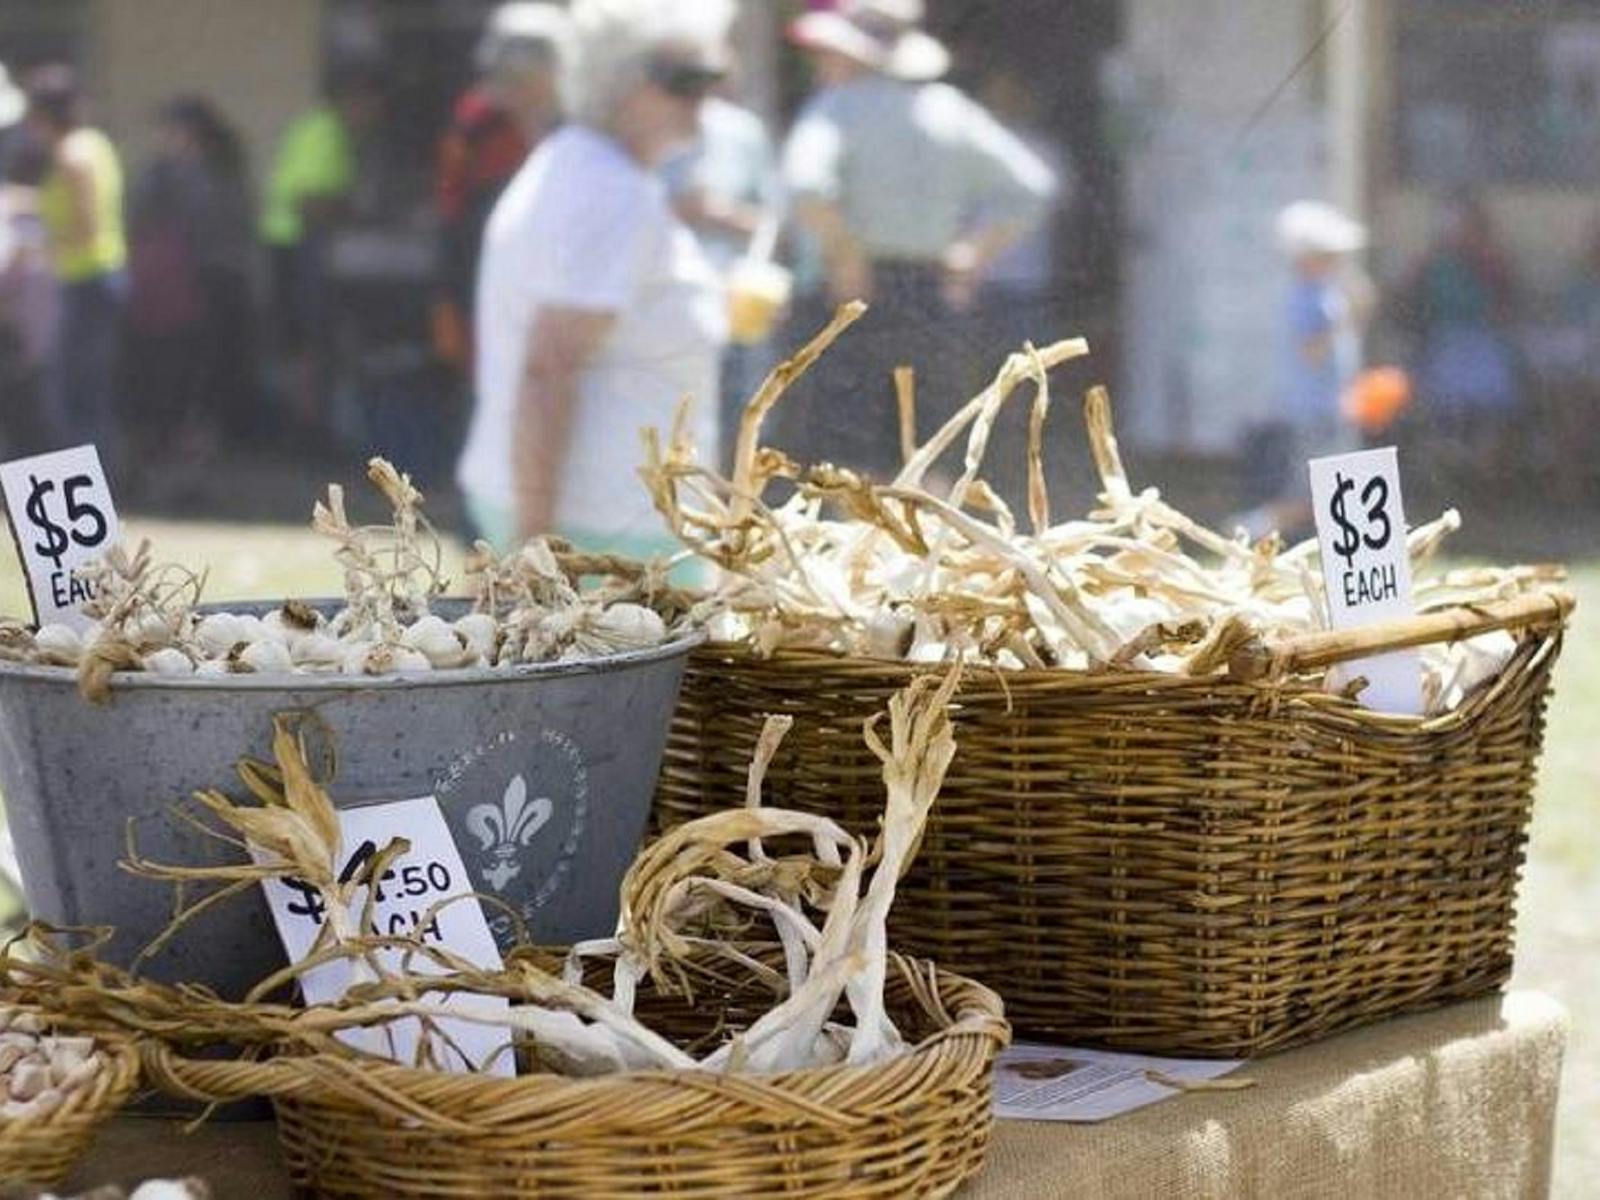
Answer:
(1327, 304)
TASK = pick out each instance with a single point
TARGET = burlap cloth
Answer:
(1455, 1103)
(1458, 1103)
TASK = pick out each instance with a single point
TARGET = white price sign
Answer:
(62, 517)
(407, 896)
(1361, 532)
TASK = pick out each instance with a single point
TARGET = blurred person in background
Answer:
(727, 190)
(313, 180)
(1458, 302)
(496, 123)
(598, 311)
(80, 205)
(190, 346)
(910, 190)
(1326, 306)
(1017, 287)
(13, 104)
(29, 294)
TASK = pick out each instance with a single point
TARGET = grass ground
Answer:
(1558, 934)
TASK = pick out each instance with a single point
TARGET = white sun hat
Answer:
(880, 34)
(522, 23)
(12, 102)
(1313, 227)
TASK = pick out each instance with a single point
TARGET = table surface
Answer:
(1455, 1102)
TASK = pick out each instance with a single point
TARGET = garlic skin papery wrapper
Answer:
(913, 571)
(527, 607)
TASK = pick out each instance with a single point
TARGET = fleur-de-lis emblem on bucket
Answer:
(505, 828)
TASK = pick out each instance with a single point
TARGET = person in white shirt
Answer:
(726, 188)
(909, 190)
(597, 310)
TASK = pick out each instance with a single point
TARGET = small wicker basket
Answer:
(1211, 866)
(916, 1125)
(41, 1151)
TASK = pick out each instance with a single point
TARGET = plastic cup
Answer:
(757, 292)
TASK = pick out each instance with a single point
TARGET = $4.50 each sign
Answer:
(407, 902)
(62, 517)
(1366, 568)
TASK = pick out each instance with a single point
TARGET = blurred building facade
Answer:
(1188, 122)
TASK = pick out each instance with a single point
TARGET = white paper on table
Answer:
(430, 872)
(1035, 1082)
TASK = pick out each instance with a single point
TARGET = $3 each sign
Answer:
(1366, 566)
(1374, 497)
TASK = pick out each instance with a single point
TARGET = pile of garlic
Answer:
(294, 639)
(39, 1071)
(526, 607)
(815, 557)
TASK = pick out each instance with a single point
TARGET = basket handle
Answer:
(1257, 659)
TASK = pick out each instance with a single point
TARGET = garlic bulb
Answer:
(317, 652)
(251, 627)
(171, 1189)
(289, 630)
(624, 627)
(479, 631)
(212, 668)
(888, 634)
(354, 659)
(39, 1070)
(150, 629)
(265, 656)
(168, 661)
(58, 645)
(436, 641)
(387, 659)
(218, 633)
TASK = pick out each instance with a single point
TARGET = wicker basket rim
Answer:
(976, 1029)
(991, 684)
(110, 1088)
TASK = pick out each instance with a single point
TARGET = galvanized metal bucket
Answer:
(544, 772)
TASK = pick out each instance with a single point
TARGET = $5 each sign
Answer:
(1366, 568)
(61, 517)
(406, 902)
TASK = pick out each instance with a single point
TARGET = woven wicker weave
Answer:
(917, 1125)
(1151, 862)
(42, 1151)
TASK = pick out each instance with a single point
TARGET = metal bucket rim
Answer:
(283, 681)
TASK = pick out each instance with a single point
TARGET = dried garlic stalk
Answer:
(704, 891)
(904, 571)
(541, 603)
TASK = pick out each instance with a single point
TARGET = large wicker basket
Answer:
(917, 1125)
(1208, 866)
(41, 1151)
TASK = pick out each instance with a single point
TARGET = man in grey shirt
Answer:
(908, 190)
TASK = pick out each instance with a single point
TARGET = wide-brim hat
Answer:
(879, 34)
(522, 23)
(1312, 227)
(12, 102)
